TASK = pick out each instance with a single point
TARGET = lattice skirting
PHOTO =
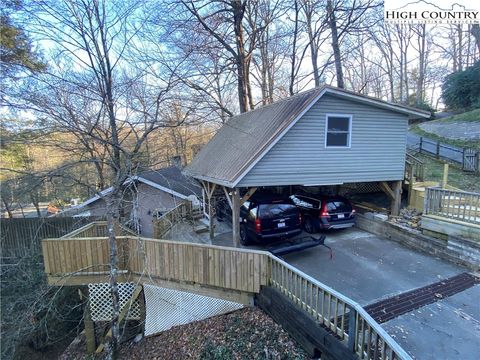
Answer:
(101, 301)
(166, 308)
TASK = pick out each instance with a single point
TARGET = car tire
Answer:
(309, 225)
(243, 236)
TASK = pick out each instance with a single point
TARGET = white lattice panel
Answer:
(101, 301)
(166, 308)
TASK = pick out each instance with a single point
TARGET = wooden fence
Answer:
(225, 268)
(97, 229)
(21, 236)
(459, 205)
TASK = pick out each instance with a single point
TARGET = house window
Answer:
(338, 131)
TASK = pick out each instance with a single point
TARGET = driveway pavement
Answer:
(367, 268)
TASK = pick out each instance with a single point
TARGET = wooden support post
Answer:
(209, 189)
(437, 155)
(410, 186)
(89, 330)
(123, 313)
(445, 176)
(210, 218)
(397, 199)
(236, 217)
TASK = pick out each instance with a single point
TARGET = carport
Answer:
(322, 137)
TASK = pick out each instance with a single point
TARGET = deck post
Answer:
(352, 329)
(396, 203)
(210, 218)
(89, 330)
(236, 217)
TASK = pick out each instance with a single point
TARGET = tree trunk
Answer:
(7, 207)
(294, 51)
(238, 13)
(475, 31)
(113, 204)
(335, 44)
(420, 96)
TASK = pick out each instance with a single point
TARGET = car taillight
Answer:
(353, 212)
(258, 226)
(324, 212)
(299, 218)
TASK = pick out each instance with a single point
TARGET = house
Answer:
(151, 194)
(321, 137)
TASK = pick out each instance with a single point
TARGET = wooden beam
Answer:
(387, 190)
(227, 194)
(123, 313)
(248, 195)
(89, 329)
(236, 217)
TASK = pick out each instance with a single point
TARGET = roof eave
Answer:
(383, 104)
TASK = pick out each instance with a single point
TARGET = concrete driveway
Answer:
(367, 268)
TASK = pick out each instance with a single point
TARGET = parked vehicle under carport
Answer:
(326, 212)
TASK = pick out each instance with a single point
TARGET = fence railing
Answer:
(96, 229)
(468, 158)
(226, 268)
(21, 236)
(344, 317)
(459, 205)
(415, 168)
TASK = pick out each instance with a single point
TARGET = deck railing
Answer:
(414, 168)
(341, 315)
(95, 229)
(458, 205)
(227, 268)
(165, 222)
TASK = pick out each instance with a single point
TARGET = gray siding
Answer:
(149, 200)
(377, 151)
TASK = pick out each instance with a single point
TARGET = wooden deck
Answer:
(224, 272)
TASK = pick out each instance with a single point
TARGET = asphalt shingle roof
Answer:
(173, 179)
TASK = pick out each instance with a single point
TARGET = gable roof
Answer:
(247, 137)
(170, 180)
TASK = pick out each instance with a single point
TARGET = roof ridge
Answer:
(289, 98)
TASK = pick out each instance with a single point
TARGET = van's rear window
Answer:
(338, 206)
(271, 211)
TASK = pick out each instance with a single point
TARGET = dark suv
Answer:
(326, 212)
(263, 219)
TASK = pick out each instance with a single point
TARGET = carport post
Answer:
(397, 198)
(236, 217)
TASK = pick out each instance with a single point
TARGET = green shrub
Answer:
(461, 89)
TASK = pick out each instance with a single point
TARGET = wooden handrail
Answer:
(227, 268)
(460, 205)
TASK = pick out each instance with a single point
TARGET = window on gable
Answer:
(338, 131)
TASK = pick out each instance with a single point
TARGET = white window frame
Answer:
(349, 138)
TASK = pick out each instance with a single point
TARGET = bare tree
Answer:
(103, 98)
